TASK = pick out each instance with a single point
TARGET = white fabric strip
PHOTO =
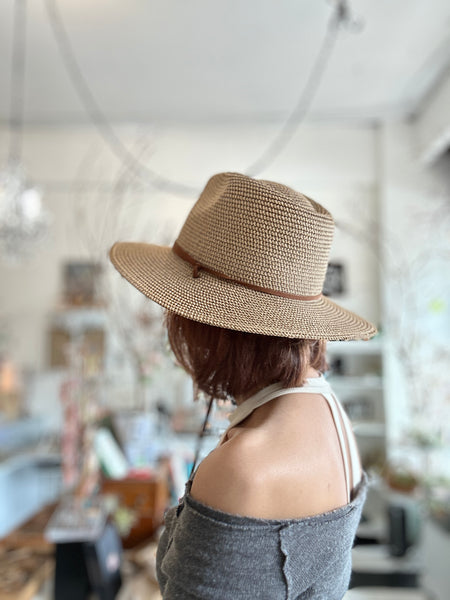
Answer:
(353, 448)
(315, 385)
(332, 403)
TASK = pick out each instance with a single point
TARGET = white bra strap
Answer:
(349, 449)
(334, 407)
(355, 463)
(313, 386)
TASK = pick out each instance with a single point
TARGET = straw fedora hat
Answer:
(251, 256)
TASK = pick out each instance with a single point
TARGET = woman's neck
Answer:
(310, 374)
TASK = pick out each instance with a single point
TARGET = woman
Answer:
(272, 511)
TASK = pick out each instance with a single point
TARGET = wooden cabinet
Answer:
(145, 500)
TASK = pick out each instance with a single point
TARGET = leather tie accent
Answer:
(197, 267)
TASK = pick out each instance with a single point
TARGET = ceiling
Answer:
(203, 60)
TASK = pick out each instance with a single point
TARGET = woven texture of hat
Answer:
(254, 232)
(261, 233)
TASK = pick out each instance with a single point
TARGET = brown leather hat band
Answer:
(197, 267)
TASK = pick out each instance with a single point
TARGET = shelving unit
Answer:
(356, 375)
(67, 325)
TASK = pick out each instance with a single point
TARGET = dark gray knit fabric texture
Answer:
(207, 554)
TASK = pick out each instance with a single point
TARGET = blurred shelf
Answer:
(374, 529)
(30, 458)
(374, 346)
(356, 382)
(79, 318)
(19, 435)
(376, 558)
(369, 429)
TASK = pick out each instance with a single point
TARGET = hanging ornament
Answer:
(23, 221)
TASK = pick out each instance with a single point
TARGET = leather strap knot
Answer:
(197, 267)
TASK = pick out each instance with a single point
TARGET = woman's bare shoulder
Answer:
(229, 477)
(245, 476)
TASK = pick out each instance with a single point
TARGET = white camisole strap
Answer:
(355, 463)
(316, 385)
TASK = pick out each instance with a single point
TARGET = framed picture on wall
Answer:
(81, 283)
(334, 280)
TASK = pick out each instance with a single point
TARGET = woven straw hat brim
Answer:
(167, 279)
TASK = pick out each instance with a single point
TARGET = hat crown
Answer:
(260, 233)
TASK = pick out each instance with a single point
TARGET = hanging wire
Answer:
(98, 118)
(339, 16)
(200, 437)
(17, 99)
(304, 103)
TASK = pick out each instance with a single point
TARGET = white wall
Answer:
(433, 123)
(414, 202)
(335, 165)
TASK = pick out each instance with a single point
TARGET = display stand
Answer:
(90, 566)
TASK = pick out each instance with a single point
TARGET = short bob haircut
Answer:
(227, 364)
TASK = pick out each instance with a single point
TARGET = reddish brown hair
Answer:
(233, 364)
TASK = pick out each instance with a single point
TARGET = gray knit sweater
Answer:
(207, 554)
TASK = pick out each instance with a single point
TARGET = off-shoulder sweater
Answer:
(207, 554)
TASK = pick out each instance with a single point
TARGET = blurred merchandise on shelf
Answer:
(93, 341)
(109, 454)
(77, 520)
(356, 374)
(28, 481)
(142, 436)
(139, 505)
(399, 478)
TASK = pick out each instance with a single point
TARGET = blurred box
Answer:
(144, 499)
